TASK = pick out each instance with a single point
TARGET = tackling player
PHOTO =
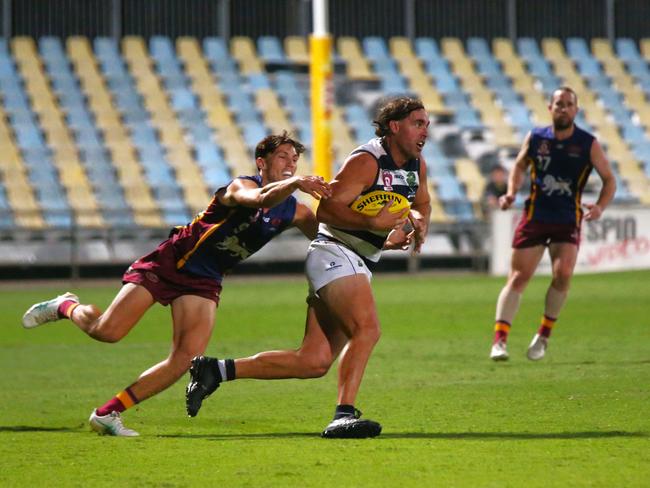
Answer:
(560, 158)
(186, 271)
(341, 315)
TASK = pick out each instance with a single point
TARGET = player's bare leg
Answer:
(563, 261)
(524, 262)
(321, 345)
(350, 302)
(127, 308)
(193, 319)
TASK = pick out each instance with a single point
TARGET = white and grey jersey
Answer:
(404, 180)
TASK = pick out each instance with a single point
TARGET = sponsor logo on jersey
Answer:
(387, 177)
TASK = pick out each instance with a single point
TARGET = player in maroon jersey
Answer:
(186, 271)
(560, 158)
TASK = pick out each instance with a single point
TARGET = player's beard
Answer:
(559, 124)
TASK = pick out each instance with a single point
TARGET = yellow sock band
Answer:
(68, 311)
(125, 398)
(546, 322)
(502, 327)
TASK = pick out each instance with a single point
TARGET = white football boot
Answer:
(499, 351)
(537, 348)
(44, 312)
(110, 424)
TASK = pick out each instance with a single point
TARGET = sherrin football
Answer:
(371, 203)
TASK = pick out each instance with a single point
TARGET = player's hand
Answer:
(506, 201)
(419, 228)
(399, 239)
(315, 186)
(593, 211)
(385, 220)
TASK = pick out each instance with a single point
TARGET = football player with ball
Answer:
(380, 188)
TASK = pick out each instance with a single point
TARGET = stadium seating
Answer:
(141, 132)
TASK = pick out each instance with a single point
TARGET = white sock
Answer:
(554, 302)
(507, 304)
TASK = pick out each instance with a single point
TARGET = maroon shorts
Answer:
(529, 234)
(158, 274)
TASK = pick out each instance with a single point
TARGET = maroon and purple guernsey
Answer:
(559, 172)
(196, 256)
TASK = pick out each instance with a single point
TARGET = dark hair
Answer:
(395, 109)
(567, 89)
(272, 142)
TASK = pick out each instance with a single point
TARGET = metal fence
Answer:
(385, 18)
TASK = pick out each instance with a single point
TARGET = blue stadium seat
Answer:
(626, 49)
(385, 66)
(447, 83)
(478, 48)
(270, 49)
(449, 189)
(577, 48)
(161, 48)
(488, 66)
(216, 177)
(258, 81)
(216, 49)
(539, 67)
(528, 48)
(253, 133)
(426, 48)
(633, 134)
(467, 118)
(393, 84)
(375, 48)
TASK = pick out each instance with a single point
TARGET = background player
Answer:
(186, 271)
(342, 316)
(560, 158)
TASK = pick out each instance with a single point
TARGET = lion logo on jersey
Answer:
(232, 245)
(551, 185)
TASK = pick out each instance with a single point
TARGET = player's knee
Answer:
(519, 280)
(369, 333)
(182, 357)
(105, 332)
(562, 279)
(316, 364)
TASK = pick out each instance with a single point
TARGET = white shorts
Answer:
(328, 261)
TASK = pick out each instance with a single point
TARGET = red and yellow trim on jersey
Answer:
(181, 262)
(533, 190)
(582, 179)
(501, 326)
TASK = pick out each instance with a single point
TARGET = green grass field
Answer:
(451, 417)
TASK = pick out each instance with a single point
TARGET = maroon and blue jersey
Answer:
(220, 237)
(558, 174)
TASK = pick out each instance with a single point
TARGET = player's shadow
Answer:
(428, 435)
(36, 428)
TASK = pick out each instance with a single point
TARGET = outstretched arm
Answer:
(246, 193)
